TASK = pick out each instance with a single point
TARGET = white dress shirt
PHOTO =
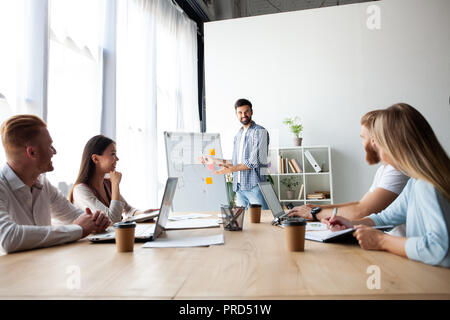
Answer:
(83, 198)
(26, 214)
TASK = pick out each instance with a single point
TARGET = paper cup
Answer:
(294, 231)
(124, 236)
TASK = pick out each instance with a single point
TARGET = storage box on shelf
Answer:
(317, 186)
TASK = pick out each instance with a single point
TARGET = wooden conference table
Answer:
(252, 264)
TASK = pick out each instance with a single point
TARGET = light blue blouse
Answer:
(426, 213)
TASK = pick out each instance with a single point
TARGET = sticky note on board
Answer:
(211, 167)
(208, 180)
(212, 152)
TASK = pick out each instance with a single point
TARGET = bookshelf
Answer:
(312, 181)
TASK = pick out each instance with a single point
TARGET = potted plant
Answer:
(290, 183)
(231, 193)
(296, 128)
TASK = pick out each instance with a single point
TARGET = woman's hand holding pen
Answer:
(336, 223)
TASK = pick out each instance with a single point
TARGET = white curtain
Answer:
(74, 82)
(22, 58)
(156, 92)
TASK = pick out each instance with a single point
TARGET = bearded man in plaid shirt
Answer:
(249, 163)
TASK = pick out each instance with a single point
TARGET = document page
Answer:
(177, 217)
(192, 224)
(328, 234)
(203, 241)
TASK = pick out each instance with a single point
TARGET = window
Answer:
(74, 82)
(156, 92)
(11, 59)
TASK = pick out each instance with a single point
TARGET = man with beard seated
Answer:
(387, 184)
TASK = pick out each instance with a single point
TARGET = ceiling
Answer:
(230, 9)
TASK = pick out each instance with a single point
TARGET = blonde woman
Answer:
(407, 142)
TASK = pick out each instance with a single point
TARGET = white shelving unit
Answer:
(312, 181)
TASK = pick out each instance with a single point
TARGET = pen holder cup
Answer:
(232, 217)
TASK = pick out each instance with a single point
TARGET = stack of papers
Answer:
(192, 224)
(178, 217)
(204, 241)
(313, 226)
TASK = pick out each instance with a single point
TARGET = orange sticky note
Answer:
(208, 180)
(212, 152)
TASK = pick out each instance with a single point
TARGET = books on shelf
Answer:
(296, 164)
(312, 161)
(318, 195)
(289, 165)
(301, 192)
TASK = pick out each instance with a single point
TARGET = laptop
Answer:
(146, 232)
(273, 202)
(321, 236)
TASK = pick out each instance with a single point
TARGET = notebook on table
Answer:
(334, 236)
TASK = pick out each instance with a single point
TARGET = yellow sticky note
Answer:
(212, 152)
(208, 180)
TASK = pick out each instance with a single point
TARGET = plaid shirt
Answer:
(256, 146)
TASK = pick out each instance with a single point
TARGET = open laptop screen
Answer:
(271, 199)
(166, 204)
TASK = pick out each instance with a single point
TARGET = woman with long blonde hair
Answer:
(407, 142)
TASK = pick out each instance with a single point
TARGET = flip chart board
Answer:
(198, 189)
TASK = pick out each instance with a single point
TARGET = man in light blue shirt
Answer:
(249, 163)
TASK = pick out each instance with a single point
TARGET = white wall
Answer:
(327, 67)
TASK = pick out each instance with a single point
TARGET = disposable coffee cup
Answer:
(294, 231)
(255, 213)
(125, 236)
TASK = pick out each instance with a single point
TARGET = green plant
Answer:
(294, 125)
(231, 193)
(290, 182)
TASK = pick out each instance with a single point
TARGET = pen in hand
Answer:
(333, 216)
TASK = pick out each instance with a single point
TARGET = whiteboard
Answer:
(197, 189)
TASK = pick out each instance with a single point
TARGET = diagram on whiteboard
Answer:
(198, 188)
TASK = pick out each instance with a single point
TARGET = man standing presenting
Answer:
(28, 201)
(249, 163)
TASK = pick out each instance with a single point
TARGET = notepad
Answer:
(331, 236)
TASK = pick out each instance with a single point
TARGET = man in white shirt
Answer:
(388, 183)
(27, 199)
